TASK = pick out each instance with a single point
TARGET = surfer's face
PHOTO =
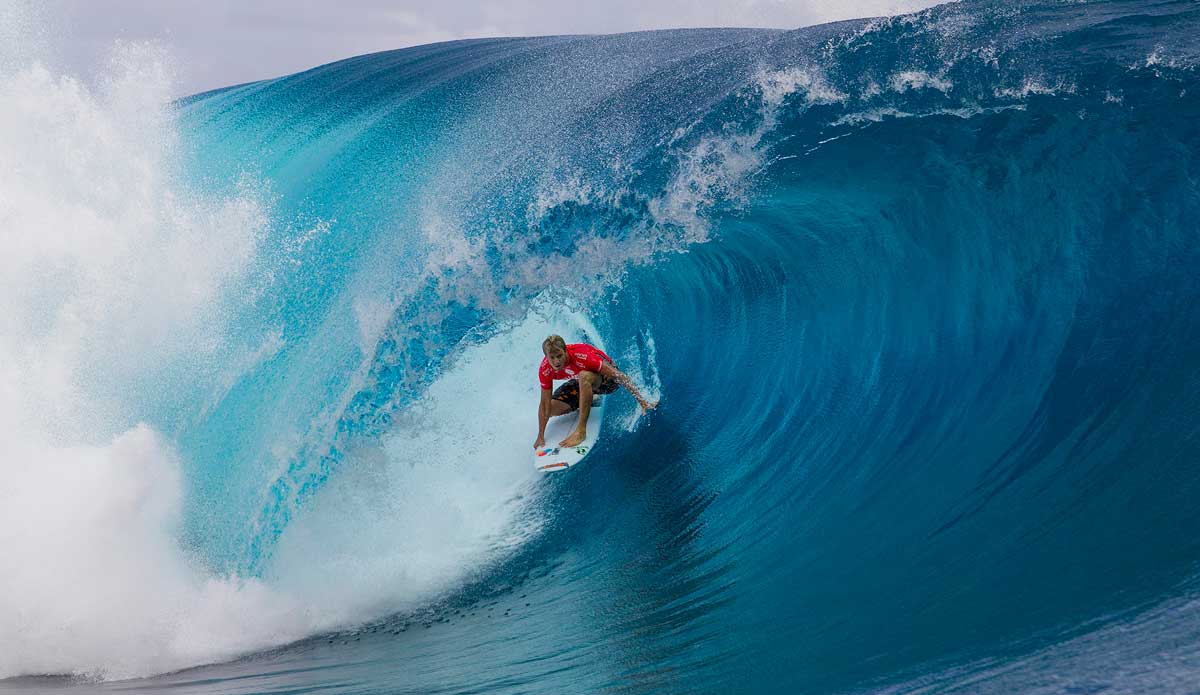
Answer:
(557, 357)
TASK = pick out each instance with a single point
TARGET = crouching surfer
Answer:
(589, 372)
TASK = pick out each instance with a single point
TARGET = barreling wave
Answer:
(918, 295)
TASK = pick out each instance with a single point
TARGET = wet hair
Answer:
(555, 340)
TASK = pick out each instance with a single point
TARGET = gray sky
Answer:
(223, 42)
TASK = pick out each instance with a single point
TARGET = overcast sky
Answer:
(224, 42)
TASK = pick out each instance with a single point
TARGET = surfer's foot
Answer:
(575, 438)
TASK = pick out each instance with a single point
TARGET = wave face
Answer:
(918, 296)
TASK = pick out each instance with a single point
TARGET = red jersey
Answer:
(581, 357)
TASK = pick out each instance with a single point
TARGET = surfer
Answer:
(590, 372)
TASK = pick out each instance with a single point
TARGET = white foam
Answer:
(1158, 58)
(905, 80)
(95, 579)
(777, 85)
(648, 379)
(1031, 85)
(113, 272)
(446, 492)
(877, 115)
(108, 259)
(22, 34)
(720, 167)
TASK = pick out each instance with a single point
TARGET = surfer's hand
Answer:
(541, 442)
(647, 406)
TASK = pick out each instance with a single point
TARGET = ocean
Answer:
(918, 295)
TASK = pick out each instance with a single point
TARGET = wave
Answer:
(916, 292)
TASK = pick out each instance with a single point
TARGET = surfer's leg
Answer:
(586, 381)
(587, 391)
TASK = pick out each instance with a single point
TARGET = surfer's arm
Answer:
(608, 370)
(543, 418)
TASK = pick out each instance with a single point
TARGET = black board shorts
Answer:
(569, 392)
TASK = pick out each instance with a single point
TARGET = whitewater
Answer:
(917, 294)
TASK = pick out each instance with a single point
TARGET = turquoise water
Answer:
(918, 296)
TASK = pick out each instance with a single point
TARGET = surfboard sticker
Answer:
(552, 457)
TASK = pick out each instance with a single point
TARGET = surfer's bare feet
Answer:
(575, 438)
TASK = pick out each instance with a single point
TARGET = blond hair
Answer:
(555, 340)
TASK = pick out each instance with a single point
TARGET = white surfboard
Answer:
(552, 457)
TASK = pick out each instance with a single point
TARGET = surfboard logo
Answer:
(581, 450)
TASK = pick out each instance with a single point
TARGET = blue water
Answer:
(919, 297)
